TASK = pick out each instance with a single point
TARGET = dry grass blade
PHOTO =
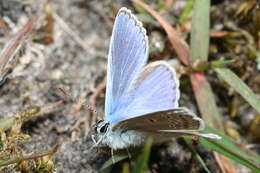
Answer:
(224, 163)
(205, 99)
(14, 44)
(30, 157)
(180, 46)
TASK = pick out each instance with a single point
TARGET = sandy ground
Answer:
(75, 61)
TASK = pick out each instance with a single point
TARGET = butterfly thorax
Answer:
(119, 138)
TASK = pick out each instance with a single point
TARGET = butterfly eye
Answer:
(104, 128)
(100, 121)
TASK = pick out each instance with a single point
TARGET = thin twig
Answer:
(30, 157)
(49, 108)
(31, 112)
(14, 44)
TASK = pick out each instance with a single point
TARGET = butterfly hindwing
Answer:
(178, 119)
(128, 53)
(155, 89)
(167, 123)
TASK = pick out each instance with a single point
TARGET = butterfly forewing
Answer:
(127, 55)
(179, 119)
(155, 89)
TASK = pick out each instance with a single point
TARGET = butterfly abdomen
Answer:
(120, 139)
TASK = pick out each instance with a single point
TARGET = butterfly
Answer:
(141, 100)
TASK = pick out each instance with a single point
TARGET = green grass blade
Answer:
(197, 156)
(231, 150)
(199, 51)
(233, 80)
(200, 30)
(142, 162)
(202, 162)
(109, 163)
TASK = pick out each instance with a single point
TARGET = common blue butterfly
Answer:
(141, 100)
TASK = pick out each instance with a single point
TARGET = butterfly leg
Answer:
(93, 139)
(128, 153)
(112, 155)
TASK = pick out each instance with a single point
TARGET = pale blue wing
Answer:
(155, 89)
(127, 55)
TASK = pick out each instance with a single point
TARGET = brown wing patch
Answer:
(175, 119)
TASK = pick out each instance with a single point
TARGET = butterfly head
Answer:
(101, 127)
(99, 132)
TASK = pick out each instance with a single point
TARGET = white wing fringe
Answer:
(209, 135)
(205, 135)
